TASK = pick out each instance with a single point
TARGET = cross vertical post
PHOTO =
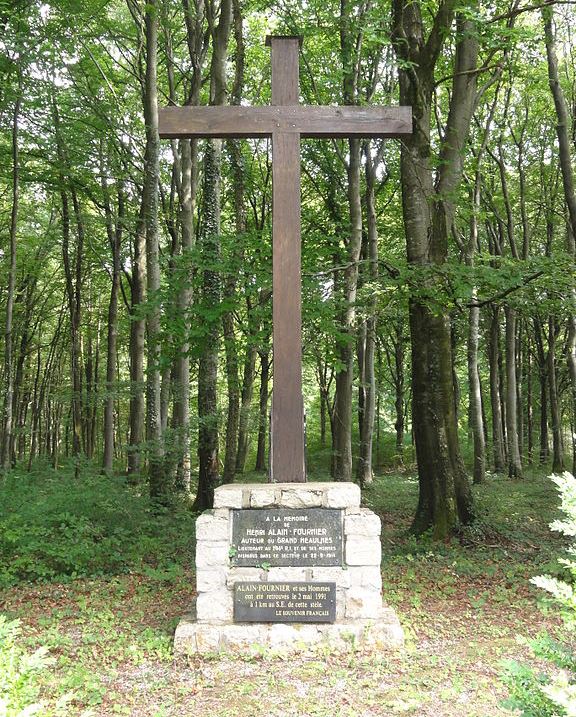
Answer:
(287, 426)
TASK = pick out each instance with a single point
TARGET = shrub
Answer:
(19, 673)
(552, 694)
(54, 526)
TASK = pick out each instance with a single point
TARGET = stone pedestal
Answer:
(360, 617)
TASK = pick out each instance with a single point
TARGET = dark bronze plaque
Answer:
(284, 602)
(281, 536)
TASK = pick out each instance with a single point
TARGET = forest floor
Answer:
(465, 607)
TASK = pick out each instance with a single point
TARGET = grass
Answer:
(463, 606)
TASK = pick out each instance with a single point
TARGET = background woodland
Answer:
(438, 273)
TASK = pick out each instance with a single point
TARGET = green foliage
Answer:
(19, 691)
(54, 526)
(552, 695)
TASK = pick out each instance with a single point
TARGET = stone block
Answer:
(263, 498)
(208, 579)
(366, 524)
(288, 574)
(236, 575)
(283, 635)
(363, 602)
(208, 638)
(340, 576)
(363, 551)
(243, 638)
(185, 636)
(212, 554)
(366, 576)
(215, 606)
(384, 634)
(212, 528)
(341, 597)
(301, 498)
(343, 636)
(342, 495)
(228, 496)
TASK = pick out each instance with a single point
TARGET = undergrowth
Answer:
(56, 526)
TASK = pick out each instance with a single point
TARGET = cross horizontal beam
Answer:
(307, 121)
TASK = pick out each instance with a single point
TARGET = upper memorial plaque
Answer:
(309, 536)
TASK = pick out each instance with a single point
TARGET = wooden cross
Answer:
(285, 121)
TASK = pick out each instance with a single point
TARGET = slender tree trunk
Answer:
(136, 349)
(8, 418)
(246, 403)
(208, 468)
(263, 410)
(557, 443)
(181, 370)
(228, 323)
(345, 376)
(364, 472)
(159, 488)
(474, 389)
(115, 240)
(562, 131)
(498, 446)
(514, 459)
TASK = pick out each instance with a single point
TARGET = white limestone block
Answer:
(212, 528)
(215, 606)
(281, 635)
(228, 496)
(243, 637)
(329, 574)
(185, 636)
(363, 551)
(251, 575)
(212, 554)
(262, 498)
(208, 579)
(362, 602)
(207, 638)
(279, 574)
(299, 497)
(366, 523)
(342, 495)
(368, 576)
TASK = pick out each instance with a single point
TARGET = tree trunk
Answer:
(556, 419)
(474, 389)
(514, 459)
(345, 376)
(498, 445)
(364, 471)
(445, 497)
(136, 349)
(115, 240)
(246, 403)
(158, 485)
(8, 418)
(562, 130)
(228, 327)
(263, 411)
(208, 468)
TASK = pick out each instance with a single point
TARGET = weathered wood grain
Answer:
(287, 444)
(243, 122)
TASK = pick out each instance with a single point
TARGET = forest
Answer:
(438, 305)
(438, 321)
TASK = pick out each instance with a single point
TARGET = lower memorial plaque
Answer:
(284, 602)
